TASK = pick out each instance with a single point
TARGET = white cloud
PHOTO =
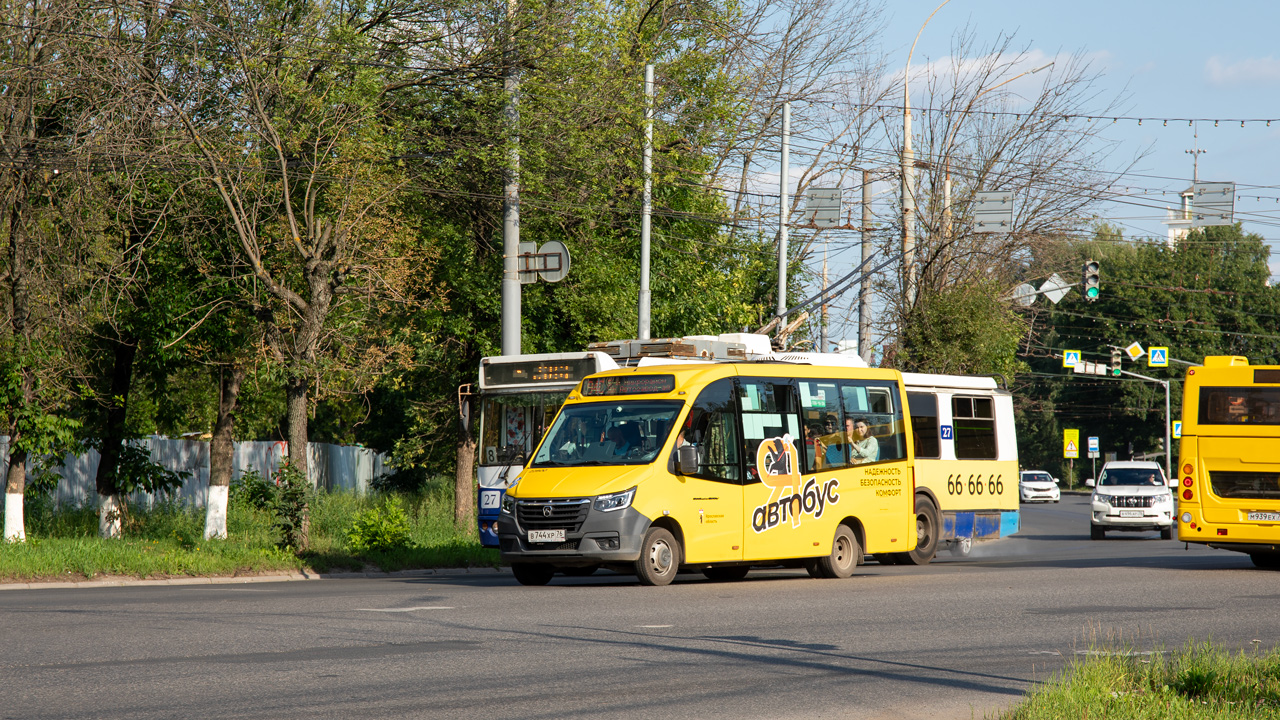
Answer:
(1251, 71)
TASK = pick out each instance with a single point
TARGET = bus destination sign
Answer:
(529, 372)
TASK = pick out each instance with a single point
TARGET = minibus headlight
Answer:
(508, 504)
(615, 501)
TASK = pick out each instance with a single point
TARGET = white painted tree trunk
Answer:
(15, 529)
(215, 515)
(109, 516)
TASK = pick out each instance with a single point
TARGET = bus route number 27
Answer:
(975, 485)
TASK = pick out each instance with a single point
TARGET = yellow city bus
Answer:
(716, 467)
(1229, 458)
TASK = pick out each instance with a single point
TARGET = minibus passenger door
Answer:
(711, 497)
(775, 525)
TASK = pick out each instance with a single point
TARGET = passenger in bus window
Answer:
(811, 443)
(863, 448)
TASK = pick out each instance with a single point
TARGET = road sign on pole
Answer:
(1177, 429)
(1071, 444)
(1055, 288)
(1213, 204)
(992, 211)
(1070, 358)
(1158, 357)
(821, 207)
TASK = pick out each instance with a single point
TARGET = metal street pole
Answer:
(864, 288)
(1168, 421)
(647, 205)
(908, 177)
(511, 199)
(783, 204)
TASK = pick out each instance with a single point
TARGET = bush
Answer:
(251, 490)
(380, 528)
(404, 480)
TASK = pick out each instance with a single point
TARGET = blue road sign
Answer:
(1158, 357)
(1070, 358)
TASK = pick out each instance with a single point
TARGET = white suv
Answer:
(1131, 496)
(1038, 486)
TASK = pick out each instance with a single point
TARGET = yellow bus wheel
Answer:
(844, 556)
(659, 558)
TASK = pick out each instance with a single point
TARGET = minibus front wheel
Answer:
(532, 573)
(659, 557)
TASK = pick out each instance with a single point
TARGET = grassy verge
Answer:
(1200, 681)
(166, 540)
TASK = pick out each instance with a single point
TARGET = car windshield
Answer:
(1131, 476)
(1037, 477)
(608, 433)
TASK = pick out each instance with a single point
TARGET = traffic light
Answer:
(1090, 280)
(1115, 362)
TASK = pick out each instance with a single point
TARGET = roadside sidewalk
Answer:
(116, 581)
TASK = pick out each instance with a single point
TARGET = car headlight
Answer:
(1161, 499)
(614, 501)
(1104, 499)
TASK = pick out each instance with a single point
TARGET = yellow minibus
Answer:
(716, 467)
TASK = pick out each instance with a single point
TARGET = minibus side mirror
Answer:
(687, 459)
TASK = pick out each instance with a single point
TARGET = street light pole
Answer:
(908, 176)
(946, 148)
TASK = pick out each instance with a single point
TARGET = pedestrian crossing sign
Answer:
(1177, 429)
(1070, 358)
(1158, 357)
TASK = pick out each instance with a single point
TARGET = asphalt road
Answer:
(958, 638)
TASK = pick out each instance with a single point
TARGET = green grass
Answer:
(1200, 681)
(166, 541)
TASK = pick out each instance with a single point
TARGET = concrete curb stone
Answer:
(234, 580)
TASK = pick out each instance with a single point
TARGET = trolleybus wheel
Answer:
(733, 572)
(928, 528)
(844, 555)
(532, 573)
(659, 558)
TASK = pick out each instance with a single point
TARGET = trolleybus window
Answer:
(512, 424)
(924, 424)
(975, 428)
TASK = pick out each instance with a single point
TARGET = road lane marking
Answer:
(654, 627)
(408, 609)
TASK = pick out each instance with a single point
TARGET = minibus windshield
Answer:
(608, 433)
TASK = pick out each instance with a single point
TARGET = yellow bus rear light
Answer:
(1186, 494)
(1186, 517)
(1187, 469)
(1222, 531)
(1187, 481)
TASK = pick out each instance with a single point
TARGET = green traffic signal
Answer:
(1090, 279)
(1091, 293)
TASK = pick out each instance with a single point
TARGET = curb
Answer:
(237, 580)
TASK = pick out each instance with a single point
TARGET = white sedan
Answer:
(1038, 486)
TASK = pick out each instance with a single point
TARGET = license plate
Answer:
(545, 536)
(1130, 513)
(1264, 516)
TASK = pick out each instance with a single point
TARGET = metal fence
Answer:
(332, 467)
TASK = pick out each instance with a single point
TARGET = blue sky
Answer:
(1165, 60)
(1173, 59)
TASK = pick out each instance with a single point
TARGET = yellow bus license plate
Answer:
(1264, 517)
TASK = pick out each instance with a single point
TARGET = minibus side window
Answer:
(821, 415)
(713, 428)
(975, 423)
(877, 403)
(768, 411)
(924, 424)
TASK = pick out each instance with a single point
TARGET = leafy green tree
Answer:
(966, 330)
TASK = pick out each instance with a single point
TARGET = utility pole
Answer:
(783, 206)
(511, 197)
(647, 207)
(822, 322)
(864, 289)
(1168, 420)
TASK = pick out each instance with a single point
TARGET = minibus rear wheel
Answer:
(844, 555)
(659, 558)
(532, 573)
